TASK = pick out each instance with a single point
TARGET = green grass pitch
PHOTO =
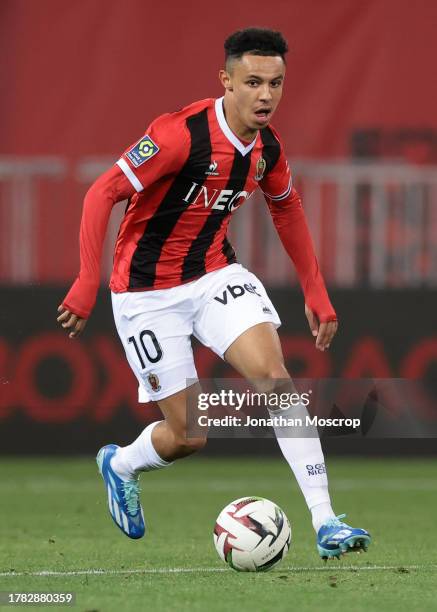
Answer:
(54, 518)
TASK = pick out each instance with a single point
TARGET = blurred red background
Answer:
(85, 78)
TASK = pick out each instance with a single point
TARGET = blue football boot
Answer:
(123, 496)
(335, 538)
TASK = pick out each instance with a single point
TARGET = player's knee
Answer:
(269, 372)
(276, 371)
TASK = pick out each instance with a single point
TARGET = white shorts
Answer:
(155, 327)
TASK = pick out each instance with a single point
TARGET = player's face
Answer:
(253, 90)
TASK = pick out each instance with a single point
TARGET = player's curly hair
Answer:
(256, 41)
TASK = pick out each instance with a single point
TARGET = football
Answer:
(252, 534)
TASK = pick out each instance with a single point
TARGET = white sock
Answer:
(140, 456)
(320, 514)
(305, 457)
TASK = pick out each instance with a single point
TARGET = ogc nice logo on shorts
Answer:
(154, 382)
(142, 151)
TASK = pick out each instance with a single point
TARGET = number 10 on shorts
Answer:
(148, 346)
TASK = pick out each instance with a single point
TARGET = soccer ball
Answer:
(252, 534)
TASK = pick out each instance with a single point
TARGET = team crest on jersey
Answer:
(154, 382)
(142, 151)
(261, 166)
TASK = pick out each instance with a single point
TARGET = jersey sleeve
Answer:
(162, 151)
(110, 188)
(288, 216)
(289, 219)
(277, 183)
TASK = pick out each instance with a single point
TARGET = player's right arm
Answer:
(161, 151)
(110, 188)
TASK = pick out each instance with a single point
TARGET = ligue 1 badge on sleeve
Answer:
(154, 382)
(142, 151)
(260, 168)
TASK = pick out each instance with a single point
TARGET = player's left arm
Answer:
(288, 216)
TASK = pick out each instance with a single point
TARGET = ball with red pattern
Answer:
(252, 534)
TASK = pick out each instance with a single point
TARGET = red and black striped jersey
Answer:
(183, 179)
(190, 172)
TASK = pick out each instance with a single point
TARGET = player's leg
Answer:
(257, 355)
(238, 322)
(169, 437)
(155, 329)
(161, 442)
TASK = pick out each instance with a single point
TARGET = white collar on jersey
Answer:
(244, 150)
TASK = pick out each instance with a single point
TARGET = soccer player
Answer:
(175, 273)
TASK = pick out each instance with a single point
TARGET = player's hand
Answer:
(72, 324)
(323, 332)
